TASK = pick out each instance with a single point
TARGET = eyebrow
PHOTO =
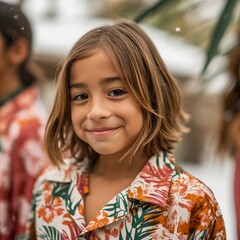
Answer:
(102, 82)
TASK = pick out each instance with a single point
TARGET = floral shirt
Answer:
(22, 121)
(163, 202)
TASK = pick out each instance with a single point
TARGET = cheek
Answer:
(77, 124)
(73, 116)
(135, 116)
(139, 122)
(76, 117)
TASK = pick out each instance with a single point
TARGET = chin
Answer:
(103, 152)
(106, 151)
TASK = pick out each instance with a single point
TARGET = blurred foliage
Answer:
(211, 25)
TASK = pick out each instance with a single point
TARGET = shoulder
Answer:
(195, 194)
(26, 109)
(189, 183)
(66, 173)
(24, 112)
(28, 118)
(30, 106)
(164, 170)
(190, 197)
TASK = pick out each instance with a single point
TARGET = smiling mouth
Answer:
(103, 131)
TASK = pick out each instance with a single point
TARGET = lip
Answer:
(101, 132)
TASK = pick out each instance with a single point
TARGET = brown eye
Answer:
(80, 97)
(117, 92)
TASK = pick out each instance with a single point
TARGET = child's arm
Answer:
(28, 160)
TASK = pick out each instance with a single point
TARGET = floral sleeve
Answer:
(207, 221)
(30, 232)
(28, 160)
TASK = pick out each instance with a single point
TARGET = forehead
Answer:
(94, 67)
(95, 56)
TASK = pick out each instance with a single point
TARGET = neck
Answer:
(9, 84)
(112, 168)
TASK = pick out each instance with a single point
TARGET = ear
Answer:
(19, 51)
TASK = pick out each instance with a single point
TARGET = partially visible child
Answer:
(22, 123)
(229, 132)
(118, 111)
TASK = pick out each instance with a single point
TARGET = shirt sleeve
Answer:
(207, 220)
(28, 160)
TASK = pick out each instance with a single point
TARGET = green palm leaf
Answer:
(219, 30)
(144, 223)
(117, 208)
(152, 9)
(49, 233)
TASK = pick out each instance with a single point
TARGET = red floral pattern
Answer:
(22, 121)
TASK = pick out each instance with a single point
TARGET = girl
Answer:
(229, 132)
(22, 121)
(118, 113)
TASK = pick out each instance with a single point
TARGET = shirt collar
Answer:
(153, 182)
(67, 172)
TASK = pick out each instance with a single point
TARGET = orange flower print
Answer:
(138, 192)
(102, 220)
(52, 207)
(99, 221)
(47, 186)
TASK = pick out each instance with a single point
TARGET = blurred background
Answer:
(194, 38)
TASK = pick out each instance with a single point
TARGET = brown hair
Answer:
(13, 26)
(147, 80)
(231, 102)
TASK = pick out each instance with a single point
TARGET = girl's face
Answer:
(103, 114)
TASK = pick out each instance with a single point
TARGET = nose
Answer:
(98, 110)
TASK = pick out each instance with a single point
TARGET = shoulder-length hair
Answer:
(147, 80)
(230, 105)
